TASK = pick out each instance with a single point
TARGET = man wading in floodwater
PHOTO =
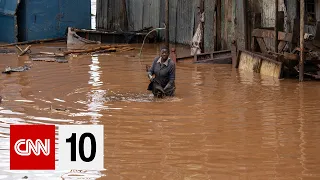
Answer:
(164, 69)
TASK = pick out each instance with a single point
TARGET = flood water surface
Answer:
(222, 124)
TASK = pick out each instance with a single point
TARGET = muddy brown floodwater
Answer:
(222, 124)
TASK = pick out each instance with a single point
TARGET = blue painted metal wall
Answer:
(42, 19)
(8, 30)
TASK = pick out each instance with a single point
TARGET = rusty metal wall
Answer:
(241, 29)
(186, 11)
(209, 25)
(8, 20)
(146, 13)
(183, 18)
(111, 12)
(268, 11)
(140, 14)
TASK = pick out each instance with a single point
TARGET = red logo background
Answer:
(32, 162)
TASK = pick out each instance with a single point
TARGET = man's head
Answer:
(164, 53)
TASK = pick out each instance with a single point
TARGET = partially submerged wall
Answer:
(26, 20)
(8, 20)
(134, 15)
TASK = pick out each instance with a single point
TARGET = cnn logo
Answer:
(36, 147)
(33, 144)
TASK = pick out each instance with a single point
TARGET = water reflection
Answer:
(301, 119)
(96, 95)
(93, 12)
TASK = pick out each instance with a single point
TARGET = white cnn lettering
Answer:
(36, 147)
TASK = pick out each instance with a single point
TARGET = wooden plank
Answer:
(281, 46)
(221, 60)
(204, 56)
(25, 51)
(255, 62)
(282, 36)
(262, 45)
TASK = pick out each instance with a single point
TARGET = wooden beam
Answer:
(282, 36)
(262, 45)
(167, 23)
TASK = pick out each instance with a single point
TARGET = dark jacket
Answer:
(165, 74)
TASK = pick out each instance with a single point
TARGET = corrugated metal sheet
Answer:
(209, 34)
(135, 14)
(51, 18)
(183, 18)
(140, 14)
(268, 19)
(241, 30)
(39, 20)
(8, 20)
(78, 17)
(173, 30)
(151, 13)
(146, 13)
(42, 19)
(185, 21)
(268, 11)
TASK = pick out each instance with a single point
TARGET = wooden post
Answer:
(276, 27)
(202, 25)
(124, 14)
(242, 29)
(218, 28)
(301, 63)
(246, 27)
(167, 23)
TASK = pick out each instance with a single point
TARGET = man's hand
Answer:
(165, 88)
(148, 68)
(168, 86)
(151, 78)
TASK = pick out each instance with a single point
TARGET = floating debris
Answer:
(7, 51)
(23, 52)
(49, 59)
(9, 70)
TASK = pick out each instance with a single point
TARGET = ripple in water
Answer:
(137, 97)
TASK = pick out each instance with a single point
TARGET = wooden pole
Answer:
(302, 57)
(202, 31)
(167, 23)
(125, 16)
(218, 28)
(276, 42)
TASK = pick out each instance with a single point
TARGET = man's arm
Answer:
(172, 76)
(151, 70)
